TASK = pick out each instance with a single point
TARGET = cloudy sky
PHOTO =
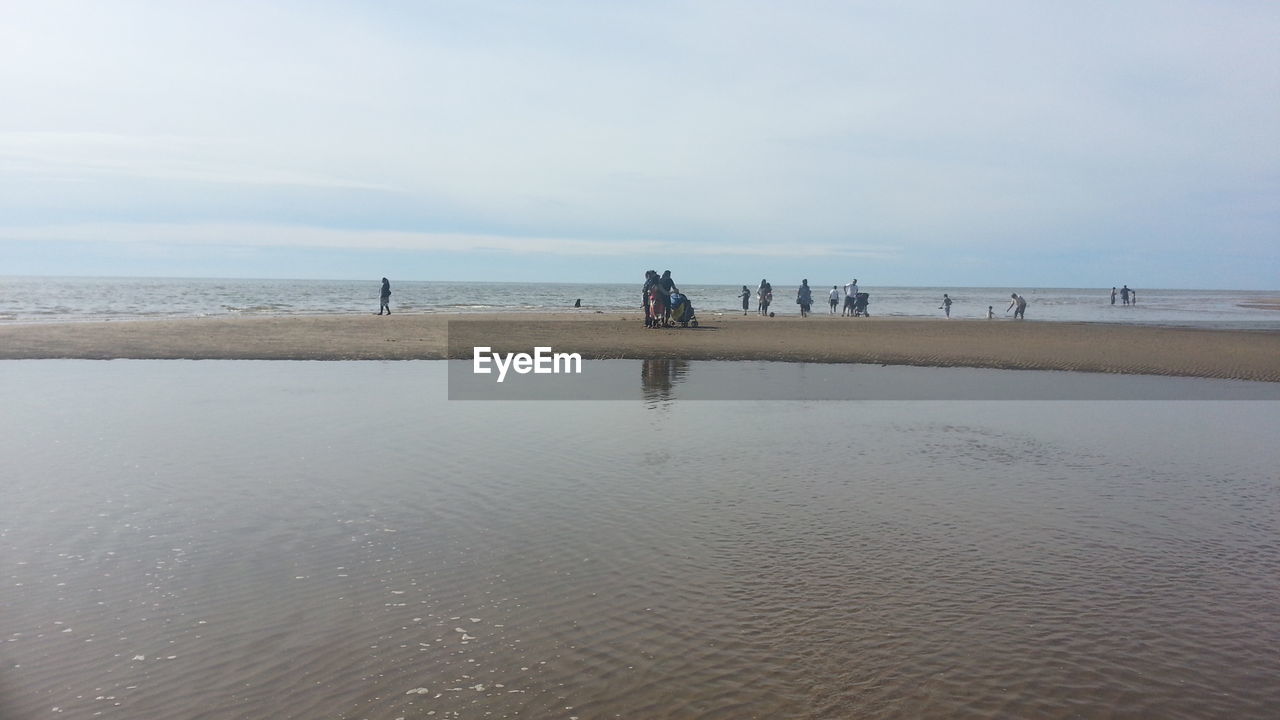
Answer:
(1080, 144)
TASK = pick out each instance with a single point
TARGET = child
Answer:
(991, 312)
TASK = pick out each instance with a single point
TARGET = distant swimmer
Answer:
(385, 302)
(1020, 303)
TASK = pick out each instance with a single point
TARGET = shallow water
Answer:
(248, 539)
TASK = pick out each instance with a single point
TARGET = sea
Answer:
(49, 299)
(219, 540)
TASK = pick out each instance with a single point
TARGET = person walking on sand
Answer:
(1113, 295)
(946, 304)
(1021, 304)
(385, 301)
(850, 298)
(834, 298)
(804, 298)
(746, 299)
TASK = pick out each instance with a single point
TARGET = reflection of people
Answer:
(1021, 304)
(385, 302)
(659, 376)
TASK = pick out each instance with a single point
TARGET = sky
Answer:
(1033, 143)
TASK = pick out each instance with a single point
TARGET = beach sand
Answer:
(1191, 352)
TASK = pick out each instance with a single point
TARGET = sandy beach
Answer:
(1246, 355)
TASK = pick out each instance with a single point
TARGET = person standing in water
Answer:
(804, 298)
(850, 298)
(746, 299)
(385, 301)
(1021, 304)
(946, 304)
(1113, 295)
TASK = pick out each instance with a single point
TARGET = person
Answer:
(764, 296)
(1124, 294)
(804, 297)
(850, 297)
(385, 302)
(1021, 304)
(658, 302)
(834, 298)
(1113, 295)
(946, 304)
(650, 278)
(1133, 297)
(991, 312)
(577, 303)
(668, 287)
(746, 299)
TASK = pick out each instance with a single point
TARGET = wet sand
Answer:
(1001, 343)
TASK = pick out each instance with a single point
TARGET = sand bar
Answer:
(1192, 352)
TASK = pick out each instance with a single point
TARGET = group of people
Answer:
(1127, 296)
(855, 302)
(656, 298)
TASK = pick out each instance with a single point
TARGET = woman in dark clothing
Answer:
(385, 302)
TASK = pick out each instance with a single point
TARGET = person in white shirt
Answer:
(834, 297)
(850, 295)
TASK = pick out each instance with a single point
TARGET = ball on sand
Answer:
(770, 313)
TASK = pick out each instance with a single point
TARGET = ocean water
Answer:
(233, 539)
(24, 299)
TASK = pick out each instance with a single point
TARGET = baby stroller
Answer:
(860, 303)
(682, 311)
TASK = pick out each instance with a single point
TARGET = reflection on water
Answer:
(658, 379)
(209, 540)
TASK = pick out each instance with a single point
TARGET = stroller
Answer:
(860, 303)
(682, 311)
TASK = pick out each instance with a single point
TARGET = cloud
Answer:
(241, 236)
